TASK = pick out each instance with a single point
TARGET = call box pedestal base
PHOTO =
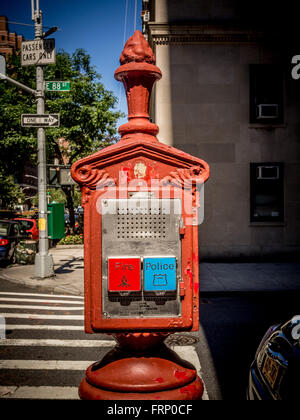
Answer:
(141, 367)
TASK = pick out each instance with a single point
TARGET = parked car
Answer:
(275, 371)
(30, 226)
(10, 235)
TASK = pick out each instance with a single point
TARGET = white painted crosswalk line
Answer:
(45, 327)
(40, 392)
(46, 307)
(8, 299)
(41, 316)
(54, 342)
(42, 294)
(46, 364)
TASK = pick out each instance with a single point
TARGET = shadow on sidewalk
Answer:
(69, 266)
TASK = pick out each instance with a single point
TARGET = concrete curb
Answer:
(58, 283)
(67, 247)
(44, 285)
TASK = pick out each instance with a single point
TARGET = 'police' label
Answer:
(159, 274)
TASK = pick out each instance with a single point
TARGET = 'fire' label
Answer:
(124, 275)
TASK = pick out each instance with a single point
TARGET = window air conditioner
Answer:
(268, 172)
(267, 111)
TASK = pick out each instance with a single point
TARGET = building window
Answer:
(266, 192)
(266, 94)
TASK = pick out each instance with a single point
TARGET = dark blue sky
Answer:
(97, 26)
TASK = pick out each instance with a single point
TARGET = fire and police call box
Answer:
(141, 245)
(141, 206)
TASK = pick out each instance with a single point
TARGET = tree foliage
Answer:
(10, 193)
(17, 144)
(88, 118)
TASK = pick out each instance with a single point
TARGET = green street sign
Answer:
(57, 86)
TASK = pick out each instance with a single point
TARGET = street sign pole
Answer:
(43, 260)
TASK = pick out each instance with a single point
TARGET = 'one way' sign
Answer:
(40, 120)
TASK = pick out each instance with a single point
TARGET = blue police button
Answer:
(159, 274)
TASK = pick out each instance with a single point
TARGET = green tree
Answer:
(88, 118)
(10, 193)
(17, 144)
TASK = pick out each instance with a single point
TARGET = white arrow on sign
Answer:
(35, 120)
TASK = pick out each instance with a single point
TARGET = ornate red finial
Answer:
(138, 74)
(137, 49)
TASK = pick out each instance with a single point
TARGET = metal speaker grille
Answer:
(141, 226)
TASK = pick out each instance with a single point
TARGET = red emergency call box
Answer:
(141, 203)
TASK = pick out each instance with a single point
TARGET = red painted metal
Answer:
(134, 376)
(141, 163)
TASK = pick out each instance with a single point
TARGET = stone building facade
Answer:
(227, 95)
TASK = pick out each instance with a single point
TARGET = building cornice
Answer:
(165, 34)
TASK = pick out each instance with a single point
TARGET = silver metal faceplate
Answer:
(140, 227)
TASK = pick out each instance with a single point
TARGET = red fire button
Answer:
(124, 274)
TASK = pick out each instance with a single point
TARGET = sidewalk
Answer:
(249, 277)
(68, 267)
(214, 277)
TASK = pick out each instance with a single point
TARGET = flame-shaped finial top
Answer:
(137, 49)
(138, 73)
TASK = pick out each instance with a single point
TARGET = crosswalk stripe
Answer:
(42, 294)
(8, 299)
(54, 342)
(52, 392)
(40, 392)
(56, 308)
(46, 364)
(44, 327)
(41, 316)
(53, 303)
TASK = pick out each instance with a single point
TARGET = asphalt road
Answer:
(45, 350)
(231, 329)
